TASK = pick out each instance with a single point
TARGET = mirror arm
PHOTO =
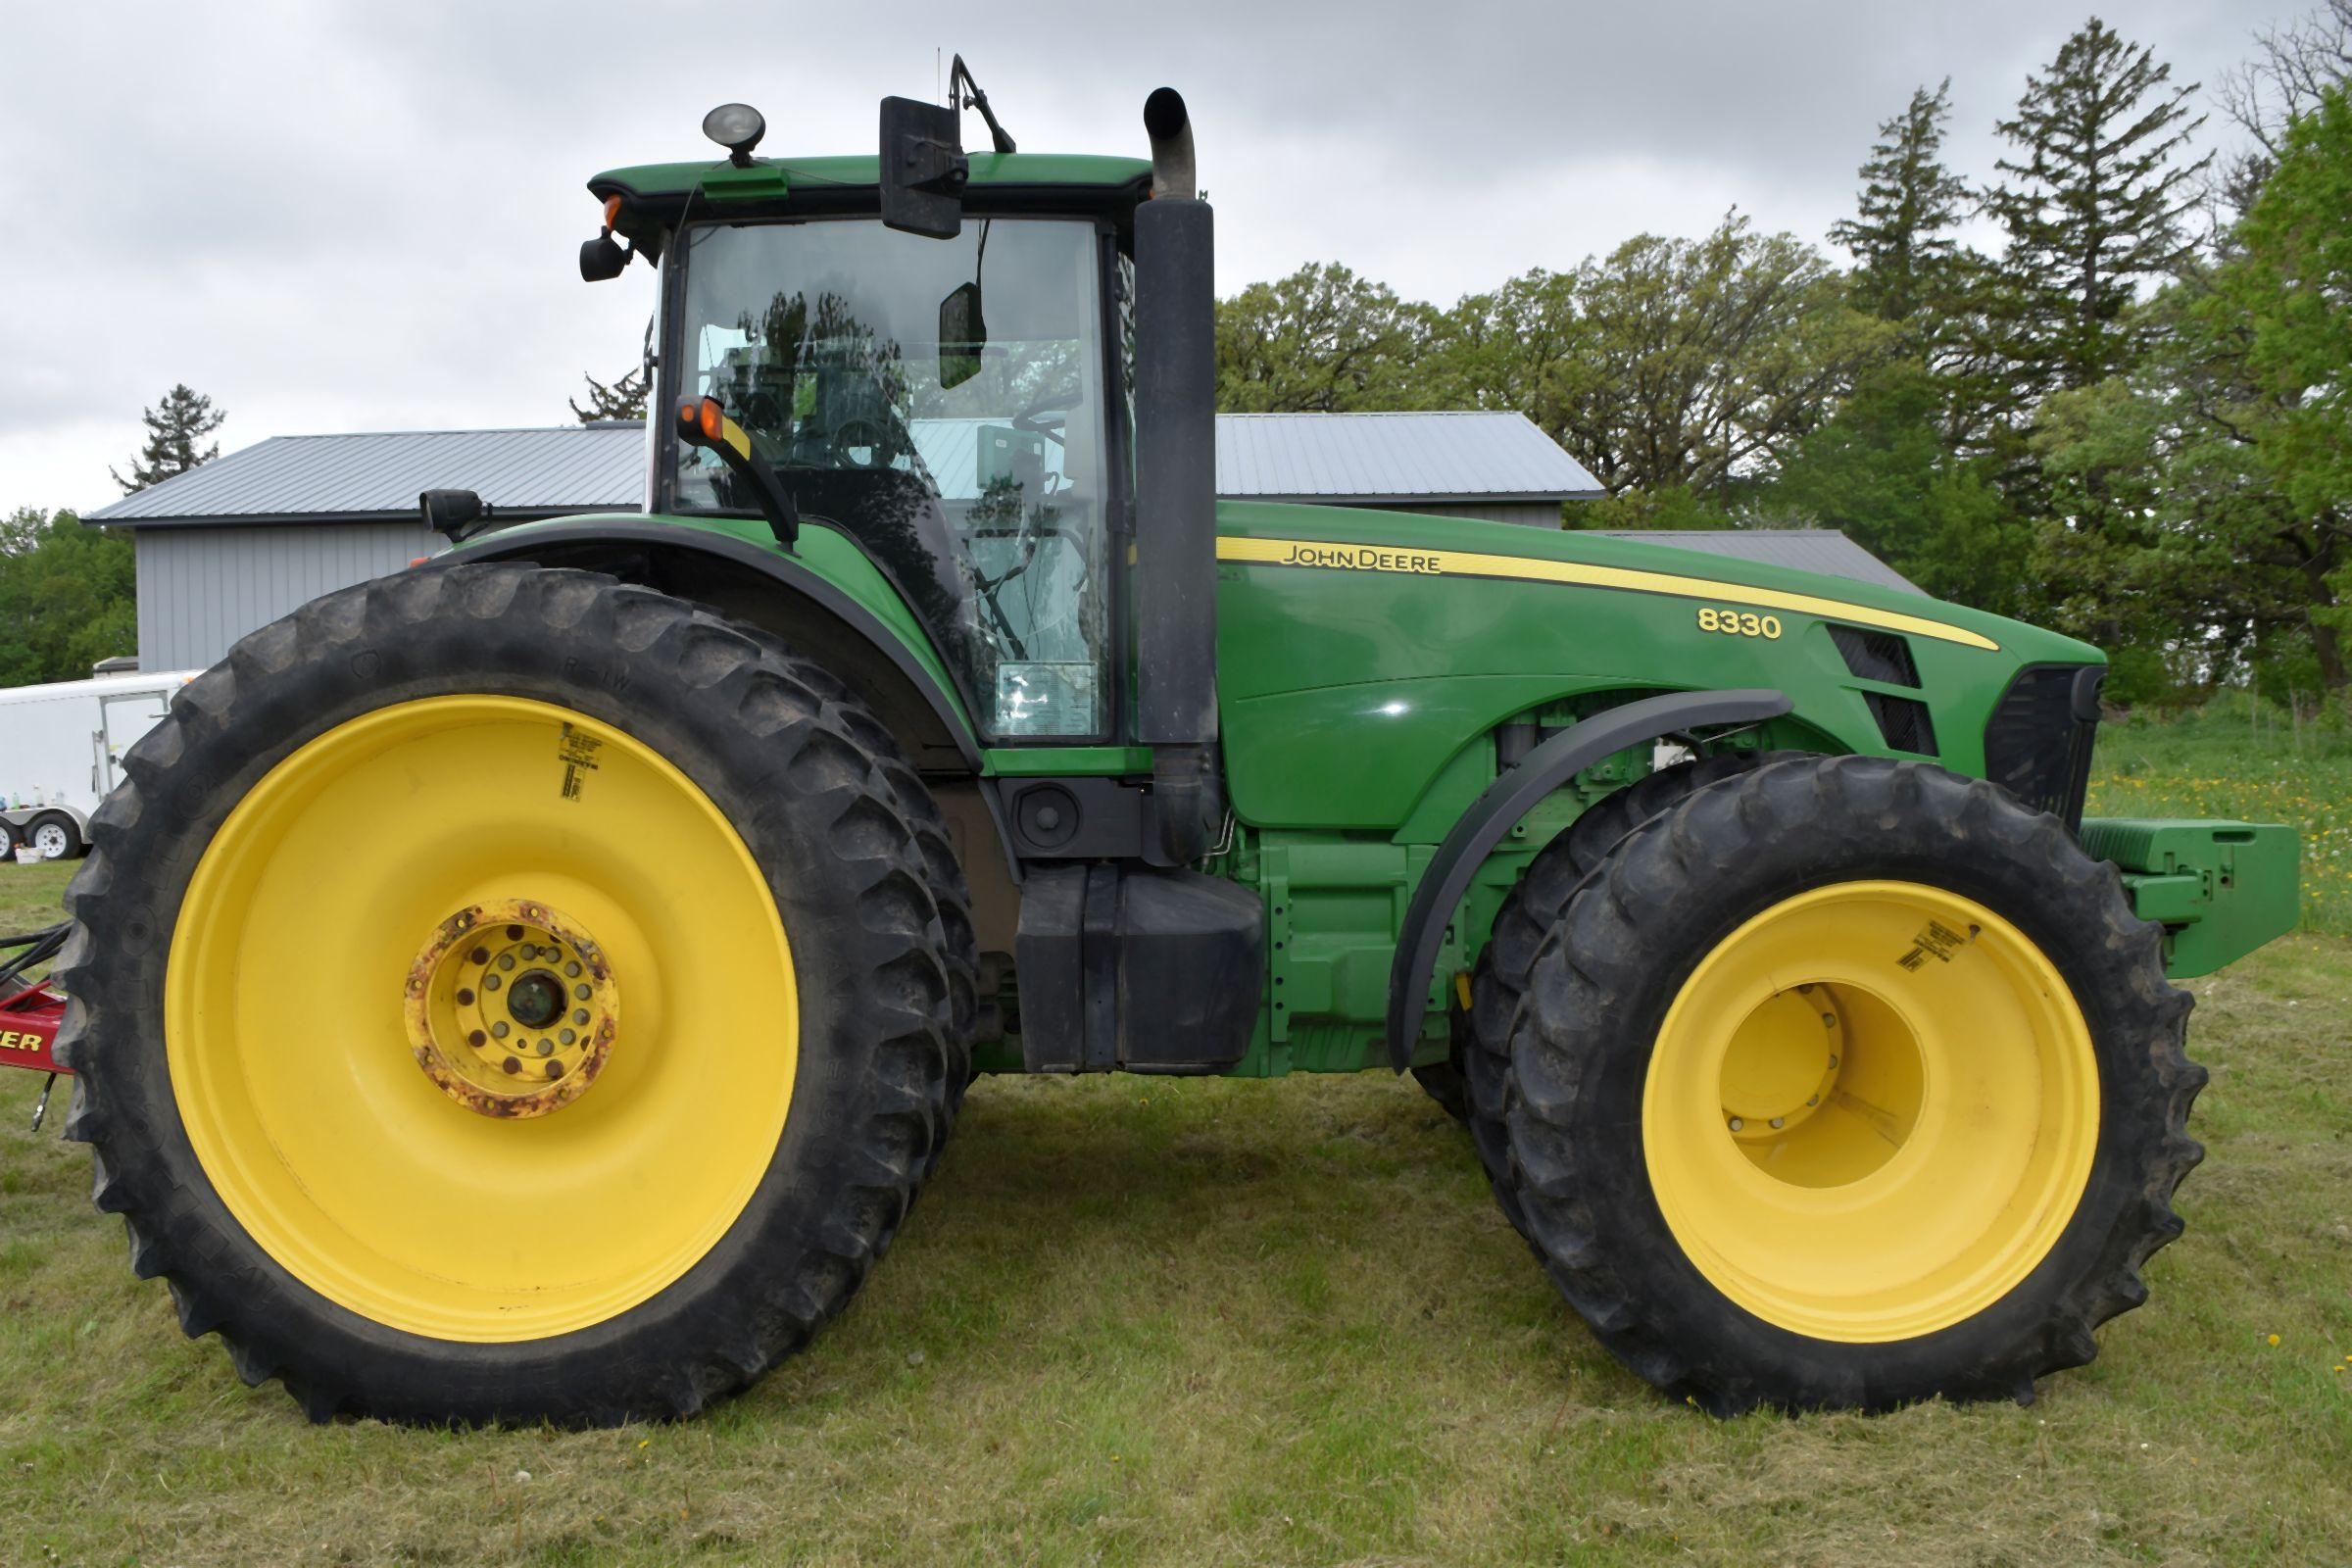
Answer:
(963, 89)
(705, 424)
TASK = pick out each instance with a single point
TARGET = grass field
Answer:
(1144, 1321)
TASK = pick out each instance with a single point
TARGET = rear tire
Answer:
(816, 799)
(2001, 1120)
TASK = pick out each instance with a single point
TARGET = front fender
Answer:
(1513, 793)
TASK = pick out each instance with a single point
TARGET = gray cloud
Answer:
(363, 215)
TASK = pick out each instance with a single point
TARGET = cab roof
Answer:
(1071, 178)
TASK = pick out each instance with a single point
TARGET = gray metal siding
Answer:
(201, 589)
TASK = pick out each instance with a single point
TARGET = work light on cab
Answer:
(738, 128)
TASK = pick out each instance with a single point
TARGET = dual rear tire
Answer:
(501, 993)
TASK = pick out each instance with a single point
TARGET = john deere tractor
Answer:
(535, 985)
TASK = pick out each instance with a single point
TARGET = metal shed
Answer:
(235, 544)
(1469, 463)
(231, 546)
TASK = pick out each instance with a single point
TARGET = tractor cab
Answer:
(930, 353)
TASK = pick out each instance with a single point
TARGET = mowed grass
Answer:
(1161, 1321)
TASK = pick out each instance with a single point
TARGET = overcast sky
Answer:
(364, 217)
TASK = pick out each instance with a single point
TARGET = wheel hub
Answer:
(512, 1009)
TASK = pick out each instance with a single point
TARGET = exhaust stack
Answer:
(1176, 482)
(1171, 131)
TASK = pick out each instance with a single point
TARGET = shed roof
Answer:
(1379, 459)
(1451, 456)
(1823, 550)
(301, 478)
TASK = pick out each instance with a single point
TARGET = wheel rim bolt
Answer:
(1778, 1123)
(1737, 1125)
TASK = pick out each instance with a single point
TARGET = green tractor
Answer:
(534, 986)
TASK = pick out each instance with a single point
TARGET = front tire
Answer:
(292, 952)
(1849, 1083)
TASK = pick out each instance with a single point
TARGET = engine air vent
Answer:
(1876, 656)
(1904, 722)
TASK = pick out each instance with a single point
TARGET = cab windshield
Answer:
(941, 402)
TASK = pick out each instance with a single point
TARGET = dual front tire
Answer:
(1837, 1082)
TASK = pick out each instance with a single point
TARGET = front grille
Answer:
(1876, 654)
(2038, 743)
(1903, 721)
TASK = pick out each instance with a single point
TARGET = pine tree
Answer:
(1899, 235)
(174, 427)
(2094, 206)
(622, 399)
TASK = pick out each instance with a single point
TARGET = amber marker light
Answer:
(714, 418)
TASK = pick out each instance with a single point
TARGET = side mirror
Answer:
(923, 169)
(455, 514)
(601, 259)
(962, 334)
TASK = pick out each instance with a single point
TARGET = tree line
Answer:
(2131, 419)
(68, 595)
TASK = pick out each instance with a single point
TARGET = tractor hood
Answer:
(1351, 539)
(1364, 658)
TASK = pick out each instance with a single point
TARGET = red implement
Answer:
(29, 1023)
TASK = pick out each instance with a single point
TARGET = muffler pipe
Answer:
(1171, 131)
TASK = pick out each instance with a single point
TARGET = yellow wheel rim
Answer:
(331, 920)
(1872, 1110)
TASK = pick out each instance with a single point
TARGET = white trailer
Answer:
(61, 752)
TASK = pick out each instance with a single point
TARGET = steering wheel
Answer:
(851, 434)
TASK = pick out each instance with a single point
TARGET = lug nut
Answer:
(1833, 1061)
(1778, 1123)
(1814, 1101)
(499, 1028)
(547, 1048)
(566, 1036)
(581, 991)
(506, 960)
(491, 982)
(1737, 1125)
(512, 1065)
(1829, 1020)
(555, 1069)
(572, 970)
(580, 1015)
